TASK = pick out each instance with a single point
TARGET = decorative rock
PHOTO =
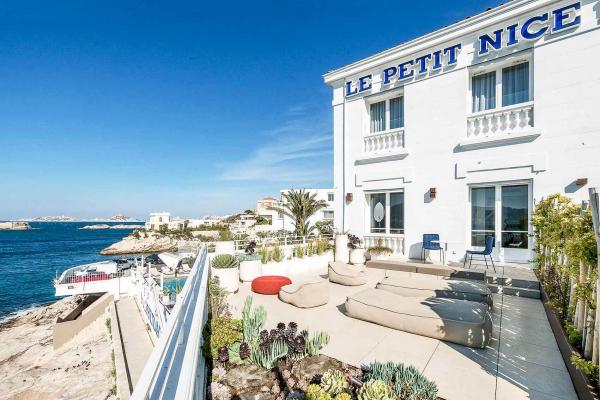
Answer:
(310, 369)
(250, 380)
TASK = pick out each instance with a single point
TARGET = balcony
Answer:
(507, 125)
(383, 146)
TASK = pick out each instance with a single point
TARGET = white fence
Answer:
(289, 240)
(175, 369)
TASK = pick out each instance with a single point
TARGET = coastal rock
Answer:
(31, 369)
(132, 245)
(97, 226)
(14, 226)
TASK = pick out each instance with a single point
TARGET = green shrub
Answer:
(299, 251)
(220, 332)
(575, 337)
(265, 255)
(225, 261)
(588, 368)
(277, 254)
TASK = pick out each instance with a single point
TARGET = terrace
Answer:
(522, 360)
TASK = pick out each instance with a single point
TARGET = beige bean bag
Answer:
(464, 322)
(306, 294)
(345, 274)
(448, 288)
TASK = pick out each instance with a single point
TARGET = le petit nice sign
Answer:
(531, 29)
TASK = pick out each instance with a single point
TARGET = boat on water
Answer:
(97, 277)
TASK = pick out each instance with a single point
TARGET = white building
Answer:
(159, 219)
(460, 131)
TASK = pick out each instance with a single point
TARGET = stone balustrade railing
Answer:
(507, 120)
(394, 242)
(384, 142)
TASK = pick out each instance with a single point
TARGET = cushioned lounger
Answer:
(459, 321)
(344, 274)
(448, 288)
(306, 294)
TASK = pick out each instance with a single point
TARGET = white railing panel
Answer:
(384, 142)
(175, 368)
(394, 242)
(506, 120)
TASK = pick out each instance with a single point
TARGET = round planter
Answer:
(250, 270)
(380, 257)
(229, 278)
(274, 269)
(357, 256)
(341, 248)
(227, 247)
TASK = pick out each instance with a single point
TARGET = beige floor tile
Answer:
(533, 377)
(509, 391)
(463, 373)
(514, 351)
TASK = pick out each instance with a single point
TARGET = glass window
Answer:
(329, 196)
(327, 214)
(378, 210)
(483, 88)
(515, 218)
(483, 214)
(397, 212)
(515, 84)
(397, 113)
(378, 117)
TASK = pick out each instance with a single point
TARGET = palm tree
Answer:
(300, 205)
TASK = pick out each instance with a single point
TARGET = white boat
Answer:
(99, 277)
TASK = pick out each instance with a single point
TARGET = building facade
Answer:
(461, 131)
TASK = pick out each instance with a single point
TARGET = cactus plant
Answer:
(253, 321)
(334, 382)
(267, 357)
(225, 261)
(314, 343)
(376, 390)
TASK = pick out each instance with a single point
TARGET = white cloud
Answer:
(297, 153)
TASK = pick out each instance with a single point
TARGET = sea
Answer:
(31, 259)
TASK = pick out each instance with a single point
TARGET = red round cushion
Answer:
(269, 284)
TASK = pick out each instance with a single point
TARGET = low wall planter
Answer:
(229, 278)
(580, 382)
(357, 256)
(250, 270)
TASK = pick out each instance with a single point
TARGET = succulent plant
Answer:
(253, 321)
(219, 391)
(244, 351)
(264, 335)
(225, 261)
(343, 396)
(314, 343)
(293, 327)
(281, 327)
(376, 390)
(223, 355)
(267, 356)
(316, 392)
(407, 382)
(295, 395)
(384, 372)
(218, 373)
(334, 382)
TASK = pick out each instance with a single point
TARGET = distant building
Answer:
(159, 219)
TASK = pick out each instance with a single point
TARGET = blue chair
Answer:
(431, 241)
(490, 242)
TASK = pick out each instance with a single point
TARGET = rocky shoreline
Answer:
(31, 369)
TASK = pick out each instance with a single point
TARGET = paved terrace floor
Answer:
(521, 362)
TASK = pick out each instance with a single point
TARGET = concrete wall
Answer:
(71, 323)
(565, 91)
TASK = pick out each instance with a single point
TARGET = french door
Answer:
(502, 211)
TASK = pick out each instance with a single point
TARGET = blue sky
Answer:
(190, 107)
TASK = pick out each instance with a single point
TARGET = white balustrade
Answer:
(506, 120)
(396, 243)
(384, 142)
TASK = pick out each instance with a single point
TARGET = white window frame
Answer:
(377, 99)
(497, 66)
(387, 213)
(328, 212)
(332, 195)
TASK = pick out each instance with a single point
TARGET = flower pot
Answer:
(380, 257)
(225, 247)
(229, 278)
(357, 256)
(273, 268)
(250, 270)
(341, 248)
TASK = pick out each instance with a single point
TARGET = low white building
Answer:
(159, 219)
(460, 131)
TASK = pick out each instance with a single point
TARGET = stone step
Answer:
(515, 291)
(429, 269)
(513, 282)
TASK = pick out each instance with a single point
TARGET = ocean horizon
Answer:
(31, 259)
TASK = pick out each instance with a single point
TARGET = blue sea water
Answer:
(30, 260)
